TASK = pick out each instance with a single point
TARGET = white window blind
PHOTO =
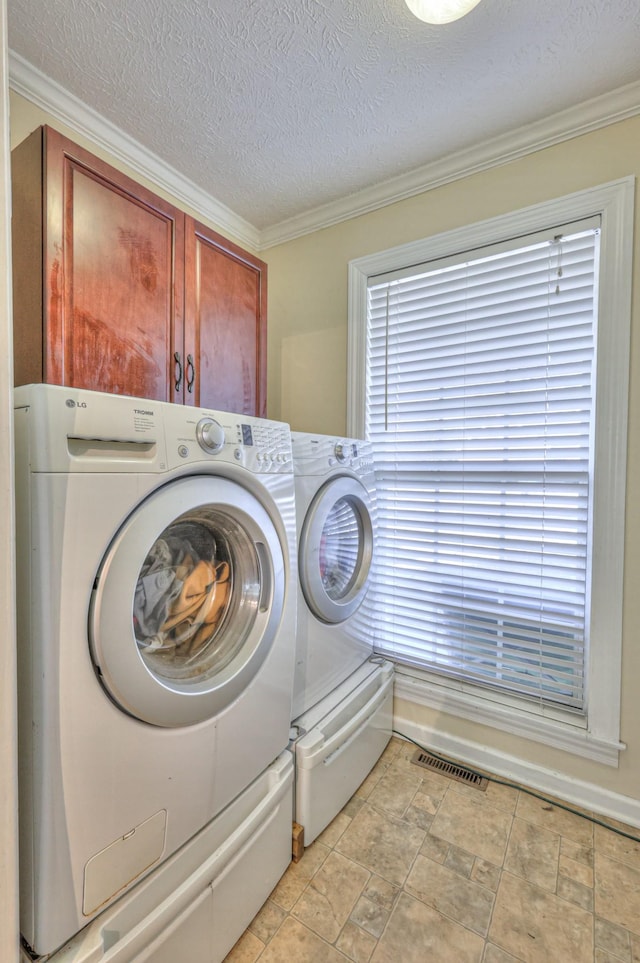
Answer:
(479, 401)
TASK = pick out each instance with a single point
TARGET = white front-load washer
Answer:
(156, 624)
(342, 697)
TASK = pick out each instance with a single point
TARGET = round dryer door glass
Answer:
(340, 549)
(187, 601)
(336, 549)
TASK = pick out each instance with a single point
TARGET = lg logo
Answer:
(75, 404)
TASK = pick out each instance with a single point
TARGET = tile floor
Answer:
(418, 868)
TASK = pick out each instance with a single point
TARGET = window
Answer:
(489, 373)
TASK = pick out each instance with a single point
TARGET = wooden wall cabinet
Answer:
(117, 290)
(225, 308)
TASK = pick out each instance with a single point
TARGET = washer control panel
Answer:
(197, 436)
(210, 435)
(272, 443)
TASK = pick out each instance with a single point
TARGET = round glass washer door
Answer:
(187, 601)
(336, 549)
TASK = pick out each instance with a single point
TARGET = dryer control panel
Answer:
(322, 454)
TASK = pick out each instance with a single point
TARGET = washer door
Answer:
(187, 601)
(336, 549)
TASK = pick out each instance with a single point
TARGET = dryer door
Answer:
(187, 601)
(336, 549)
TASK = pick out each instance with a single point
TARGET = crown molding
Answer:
(591, 115)
(45, 93)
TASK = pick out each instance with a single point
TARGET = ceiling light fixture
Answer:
(440, 11)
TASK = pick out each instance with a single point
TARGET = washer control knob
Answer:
(341, 452)
(210, 435)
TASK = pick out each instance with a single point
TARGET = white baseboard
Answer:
(585, 795)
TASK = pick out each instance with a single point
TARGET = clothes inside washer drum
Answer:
(181, 594)
(195, 614)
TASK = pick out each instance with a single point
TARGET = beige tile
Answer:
(404, 755)
(353, 807)
(493, 954)
(395, 791)
(575, 892)
(618, 847)
(333, 832)
(615, 939)
(298, 875)
(579, 872)
(404, 765)
(576, 851)
(555, 819)
(603, 956)
(533, 854)
(370, 916)
(393, 749)
(427, 803)
(486, 874)
(328, 900)
(447, 844)
(502, 797)
(450, 894)
(617, 892)
(538, 927)
(459, 861)
(434, 786)
(473, 825)
(383, 767)
(381, 892)
(355, 943)
(434, 848)
(247, 949)
(389, 756)
(267, 921)
(294, 943)
(383, 844)
(418, 817)
(609, 822)
(416, 933)
(365, 788)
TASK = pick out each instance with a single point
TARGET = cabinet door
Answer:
(111, 274)
(225, 323)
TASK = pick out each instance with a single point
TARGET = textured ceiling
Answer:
(275, 107)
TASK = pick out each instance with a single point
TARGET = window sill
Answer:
(569, 735)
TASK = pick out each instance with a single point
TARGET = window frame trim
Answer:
(614, 202)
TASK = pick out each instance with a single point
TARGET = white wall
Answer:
(8, 801)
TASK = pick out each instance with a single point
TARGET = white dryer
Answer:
(342, 697)
(156, 622)
(335, 516)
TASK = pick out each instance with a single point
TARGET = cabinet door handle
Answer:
(191, 373)
(178, 372)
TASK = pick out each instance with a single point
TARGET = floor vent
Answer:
(427, 761)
